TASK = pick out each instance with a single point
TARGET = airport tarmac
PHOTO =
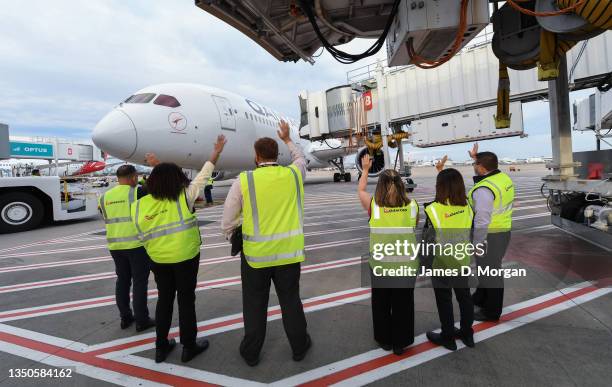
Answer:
(57, 308)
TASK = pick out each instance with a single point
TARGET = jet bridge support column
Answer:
(381, 82)
(560, 125)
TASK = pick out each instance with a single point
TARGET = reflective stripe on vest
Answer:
(502, 188)
(389, 225)
(120, 232)
(453, 226)
(164, 237)
(268, 247)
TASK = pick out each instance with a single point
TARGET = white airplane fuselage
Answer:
(180, 123)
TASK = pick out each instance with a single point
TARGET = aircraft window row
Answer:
(166, 100)
(261, 120)
(140, 98)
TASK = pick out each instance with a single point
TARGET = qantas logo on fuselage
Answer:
(264, 111)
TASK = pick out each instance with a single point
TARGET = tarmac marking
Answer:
(90, 237)
(95, 302)
(102, 361)
(86, 364)
(134, 344)
(108, 257)
(111, 274)
(377, 364)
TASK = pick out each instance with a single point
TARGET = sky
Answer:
(65, 64)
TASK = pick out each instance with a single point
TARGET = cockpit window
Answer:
(140, 98)
(166, 100)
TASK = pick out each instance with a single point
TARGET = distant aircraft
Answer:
(180, 122)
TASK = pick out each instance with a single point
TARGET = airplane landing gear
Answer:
(342, 175)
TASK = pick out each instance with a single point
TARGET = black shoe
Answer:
(189, 353)
(385, 347)
(399, 351)
(127, 322)
(150, 323)
(481, 316)
(437, 339)
(161, 353)
(251, 362)
(300, 356)
(467, 340)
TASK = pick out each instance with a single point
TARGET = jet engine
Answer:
(378, 163)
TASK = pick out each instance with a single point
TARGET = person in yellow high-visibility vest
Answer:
(393, 218)
(270, 199)
(448, 227)
(491, 198)
(208, 190)
(170, 233)
(131, 259)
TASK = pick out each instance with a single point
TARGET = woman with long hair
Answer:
(171, 236)
(450, 217)
(393, 217)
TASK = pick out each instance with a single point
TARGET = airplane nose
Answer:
(116, 135)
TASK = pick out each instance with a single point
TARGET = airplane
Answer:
(179, 122)
(71, 168)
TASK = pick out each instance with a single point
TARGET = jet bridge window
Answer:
(140, 98)
(167, 100)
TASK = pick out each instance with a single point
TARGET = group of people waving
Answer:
(155, 228)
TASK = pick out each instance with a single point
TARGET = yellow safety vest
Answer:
(115, 205)
(502, 188)
(453, 226)
(273, 227)
(167, 228)
(388, 225)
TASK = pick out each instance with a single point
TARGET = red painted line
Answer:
(75, 304)
(54, 264)
(153, 292)
(420, 348)
(59, 281)
(111, 365)
(225, 323)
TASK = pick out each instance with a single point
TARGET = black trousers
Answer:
(443, 290)
(180, 279)
(489, 295)
(132, 268)
(208, 193)
(393, 316)
(255, 294)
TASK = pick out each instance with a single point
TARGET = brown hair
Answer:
(266, 148)
(450, 188)
(167, 181)
(390, 190)
(488, 160)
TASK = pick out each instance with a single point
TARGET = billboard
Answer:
(33, 150)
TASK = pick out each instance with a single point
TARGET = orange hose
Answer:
(571, 8)
(426, 63)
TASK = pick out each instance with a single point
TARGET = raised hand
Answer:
(441, 162)
(218, 148)
(151, 159)
(284, 132)
(366, 163)
(474, 151)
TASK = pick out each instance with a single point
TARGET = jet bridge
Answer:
(445, 105)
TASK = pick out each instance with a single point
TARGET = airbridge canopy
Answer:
(469, 81)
